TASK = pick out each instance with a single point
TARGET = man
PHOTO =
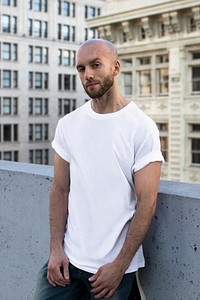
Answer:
(103, 197)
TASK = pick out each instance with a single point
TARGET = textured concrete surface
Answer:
(172, 246)
(24, 227)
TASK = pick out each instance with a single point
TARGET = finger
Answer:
(110, 294)
(57, 278)
(102, 294)
(50, 281)
(66, 273)
(94, 277)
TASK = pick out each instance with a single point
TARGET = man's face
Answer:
(95, 70)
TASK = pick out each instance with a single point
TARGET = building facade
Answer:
(159, 49)
(38, 80)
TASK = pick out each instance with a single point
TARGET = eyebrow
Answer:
(90, 62)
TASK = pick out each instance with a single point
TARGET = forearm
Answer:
(58, 216)
(136, 233)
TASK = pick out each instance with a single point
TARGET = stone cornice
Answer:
(132, 14)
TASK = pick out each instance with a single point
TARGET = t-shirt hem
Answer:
(131, 269)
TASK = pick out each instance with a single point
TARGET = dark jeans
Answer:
(79, 288)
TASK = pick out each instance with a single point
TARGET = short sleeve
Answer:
(60, 141)
(148, 150)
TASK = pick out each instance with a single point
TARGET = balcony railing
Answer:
(172, 246)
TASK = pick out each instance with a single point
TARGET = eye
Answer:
(80, 69)
(96, 65)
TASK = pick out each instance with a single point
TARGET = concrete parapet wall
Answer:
(172, 246)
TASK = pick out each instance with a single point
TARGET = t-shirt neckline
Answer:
(99, 116)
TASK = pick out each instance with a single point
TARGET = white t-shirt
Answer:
(103, 151)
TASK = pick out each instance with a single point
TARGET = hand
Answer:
(58, 272)
(106, 280)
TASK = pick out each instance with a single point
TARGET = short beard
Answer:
(106, 85)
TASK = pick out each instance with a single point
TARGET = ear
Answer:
(116, 68)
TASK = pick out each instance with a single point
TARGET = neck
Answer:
(106, 104)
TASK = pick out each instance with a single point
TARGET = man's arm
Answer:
(58, 262)
(109, 276)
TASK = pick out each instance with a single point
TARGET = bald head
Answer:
(103, 45)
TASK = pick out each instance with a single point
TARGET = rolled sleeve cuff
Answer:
(147, 159)
(60, 151)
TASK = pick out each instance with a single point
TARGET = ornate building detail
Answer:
(194, 106)
(171, 22)
(196, 16)
(146, 27)
(109, 33)
(106, 33)
(127, 30)
(102, 32)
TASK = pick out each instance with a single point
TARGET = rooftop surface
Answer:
(172, 246)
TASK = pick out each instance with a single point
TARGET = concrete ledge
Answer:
(172, 246)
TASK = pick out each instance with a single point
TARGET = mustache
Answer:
(89, 82)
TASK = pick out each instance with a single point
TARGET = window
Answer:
(126, 63)
(38, 80)
(162, 80)
(91, 11)
(66, 32)
(37, 28)
(6, 2)
(38, 55)
(163, 58)
(66, 82)
(5, 23)
(38, 106)
(6, 51)
(66, 10)
(163, 30)
(163, 130)
(194, 137)
(9, 155)
(39, 156)
(59, 7)
(196, 151)
(128, 83)
(30, 27)
(37, 5)
(91, 33)
(9, 79)
(144, 82)
(194, 66)
(8, 106)
(192, 27)
(73, 10)
(142, 34)
(65, 106)
(73, 34)
(145, 61)
(14, 24)
(10, 133)
(67, 79)
(196, 79)
(38, 132)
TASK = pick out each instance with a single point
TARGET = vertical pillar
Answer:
(176, 134)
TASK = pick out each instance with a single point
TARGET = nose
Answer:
(89, 74)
